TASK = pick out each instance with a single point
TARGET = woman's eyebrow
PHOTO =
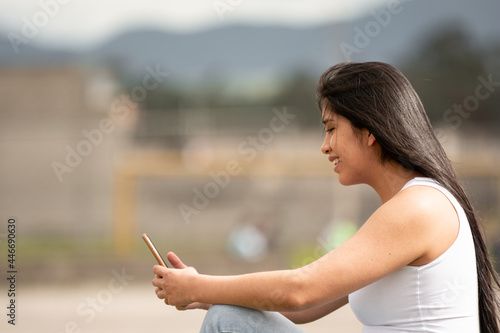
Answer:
(327, 120)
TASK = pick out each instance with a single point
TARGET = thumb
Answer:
(175, 261)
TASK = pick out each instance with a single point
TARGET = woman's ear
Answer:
(371, 139)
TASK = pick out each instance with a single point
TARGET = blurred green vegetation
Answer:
(34, 248)
(446, 71)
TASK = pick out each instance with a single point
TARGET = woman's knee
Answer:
(229, 318)
(225, 313)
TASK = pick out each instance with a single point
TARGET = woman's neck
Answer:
(390, 179)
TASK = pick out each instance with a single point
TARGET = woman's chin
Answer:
(346, 181)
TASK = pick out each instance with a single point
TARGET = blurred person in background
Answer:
(418, 264)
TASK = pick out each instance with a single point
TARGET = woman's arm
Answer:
(285, 290)
(401, 231)
(308, 316)
(270, 291)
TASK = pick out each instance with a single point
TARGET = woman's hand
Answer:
(195, 305)
(173, 285)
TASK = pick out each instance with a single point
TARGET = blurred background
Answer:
(196, 123)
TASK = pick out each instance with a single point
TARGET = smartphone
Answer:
(153, 249)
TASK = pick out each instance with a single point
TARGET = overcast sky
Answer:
(84, 22)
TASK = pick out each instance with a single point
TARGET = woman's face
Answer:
(348, 151)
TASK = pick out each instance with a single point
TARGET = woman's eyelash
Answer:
(330, 130)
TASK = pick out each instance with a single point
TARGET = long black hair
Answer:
(377, 97)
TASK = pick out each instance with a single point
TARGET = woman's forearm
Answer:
(270, 291)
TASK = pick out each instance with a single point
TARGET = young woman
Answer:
(418, 264)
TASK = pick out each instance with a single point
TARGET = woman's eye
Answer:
(330, 130)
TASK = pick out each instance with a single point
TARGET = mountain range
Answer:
(392, 34)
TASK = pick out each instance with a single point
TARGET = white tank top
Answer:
(439, 297)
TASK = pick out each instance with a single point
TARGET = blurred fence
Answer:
(226, 166)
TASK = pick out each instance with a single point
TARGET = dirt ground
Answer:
(122, 306)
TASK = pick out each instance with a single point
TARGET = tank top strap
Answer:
(425, 181)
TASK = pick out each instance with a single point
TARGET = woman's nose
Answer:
(325, 147)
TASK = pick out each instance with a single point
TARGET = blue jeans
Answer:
(236, 319)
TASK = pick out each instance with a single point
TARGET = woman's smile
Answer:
(335, 160)
(336, 163)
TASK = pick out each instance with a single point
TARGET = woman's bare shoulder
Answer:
(431, 215)
(425, 203)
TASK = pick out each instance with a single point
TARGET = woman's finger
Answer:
(160, 271)
(175, 261)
